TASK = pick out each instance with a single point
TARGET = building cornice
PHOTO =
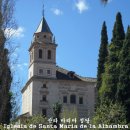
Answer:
(84, 79)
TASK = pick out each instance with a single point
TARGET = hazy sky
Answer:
(76, 25)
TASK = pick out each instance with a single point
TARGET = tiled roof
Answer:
(43, 27)
(64, 74)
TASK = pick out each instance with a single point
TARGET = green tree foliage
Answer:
(112, 68)
(2, 128)
(111, 110)
(57, 110)
(5, 84)
(103, 53)
(35, 120)
(29, 123)
(123, 91)
(6, 12)
(109, 113)
(72, 114)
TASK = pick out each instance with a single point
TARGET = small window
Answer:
(80, 100)
(37, 36)
(49, 54)
(64, 99)
(44, 85)
(30, 74)
(71, 74)
(48, 72)
(40, 71)
(40, 53)
(73, 99)
(44, 36)
(44, 112)
(30, 57)
(44, 98)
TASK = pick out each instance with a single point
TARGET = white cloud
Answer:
(81, 5)
(57, 11)
(109, 1)
(15, 54)
(15, 33)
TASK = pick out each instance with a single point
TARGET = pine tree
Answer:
(123, 92)
(112, 68)
(103, 53)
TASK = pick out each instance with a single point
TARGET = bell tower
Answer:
(43, 52)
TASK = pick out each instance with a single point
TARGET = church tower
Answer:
(48, 84)
(42, 67)
(43, 52)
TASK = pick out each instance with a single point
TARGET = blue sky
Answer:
(76, 25)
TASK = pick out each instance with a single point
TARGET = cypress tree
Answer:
(123, 92)
(5, 76)
(5, 95)
(112, 69)
(103, 53)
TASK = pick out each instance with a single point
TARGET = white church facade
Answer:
(48, 83)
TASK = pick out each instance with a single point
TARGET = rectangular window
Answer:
(80, 100)
(40, 53)
(44, 86)
(44, 98)
(40, 71)
(73, 99)
(64, 99)
(49, 54)
(48, 72)
(44, 112)
(30, 57)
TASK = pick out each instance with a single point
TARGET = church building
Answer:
(49, 83)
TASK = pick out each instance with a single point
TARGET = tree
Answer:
(57, 110)
(112, 67)
(104, 1)
(109, 113)
(103, 53)
(6, 22)
(35, 120)
(5, 84)
(123, 91)
(72, 114)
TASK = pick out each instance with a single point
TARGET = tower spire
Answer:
(43, 10)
